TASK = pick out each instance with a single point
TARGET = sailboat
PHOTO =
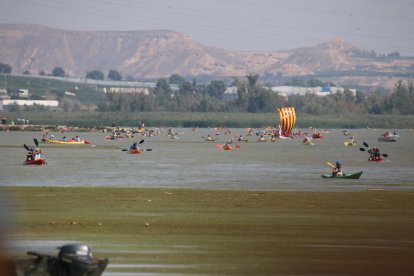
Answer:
(287, 121)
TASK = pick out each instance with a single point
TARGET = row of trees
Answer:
(253, 97)
(60, 72)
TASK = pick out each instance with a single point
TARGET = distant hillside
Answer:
(154, 54)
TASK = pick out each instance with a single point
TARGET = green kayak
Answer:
(346, 176)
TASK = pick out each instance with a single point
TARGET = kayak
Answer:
(387, 139)
(40, 161)
(346, 176)
(308, 143)
(316, 136)
(376, 159)
(228, 148)
(135, 151)
(69, 142)
(348, 143)
(114, 138)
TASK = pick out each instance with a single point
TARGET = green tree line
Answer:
(254, 97)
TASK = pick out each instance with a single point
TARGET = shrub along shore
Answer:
(198, 119)
(226, 232)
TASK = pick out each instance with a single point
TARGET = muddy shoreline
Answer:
(226, 232)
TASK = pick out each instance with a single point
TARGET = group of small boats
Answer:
(35, 156)
(283, 131)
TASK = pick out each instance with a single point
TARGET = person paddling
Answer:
(227, 144)
(30, 154)
(374, 154)
(134, 146)
(337, 170)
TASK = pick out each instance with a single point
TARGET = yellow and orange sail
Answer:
(287, 118)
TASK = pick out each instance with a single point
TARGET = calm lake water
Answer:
(285, 165)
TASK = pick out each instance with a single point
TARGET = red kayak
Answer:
(376, 159)
(135, 151)
(40, 161)
(317, 136)
(114, 138)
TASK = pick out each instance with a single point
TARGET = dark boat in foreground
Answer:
(72, 260)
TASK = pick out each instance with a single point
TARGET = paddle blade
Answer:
(148, 149)
(36, 142)
(219, 146)
(26, 147)
(361, 149)
(365, 144)
(385, 155)
(124, 149)
(142, 141)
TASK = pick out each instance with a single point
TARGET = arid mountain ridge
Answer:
(155, 54)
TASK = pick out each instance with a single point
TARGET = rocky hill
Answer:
(154, 54)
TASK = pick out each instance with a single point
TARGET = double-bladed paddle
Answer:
(366, 145)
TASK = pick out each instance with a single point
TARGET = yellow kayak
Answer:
(69, 142)
(348, 143)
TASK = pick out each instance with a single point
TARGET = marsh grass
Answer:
(227, 232)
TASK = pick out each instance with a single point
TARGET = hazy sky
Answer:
(254, 25)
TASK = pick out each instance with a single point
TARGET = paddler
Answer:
(227, 144)
(306, 141)
(134, 146)
(374, 154)
(37, 154)
(30, 155)
(337, 170)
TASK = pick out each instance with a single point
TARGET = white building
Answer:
(230, 93)
(319, 91)
(137, 90)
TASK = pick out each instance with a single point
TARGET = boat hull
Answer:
(68, 142)
(346, 176)
(40, 161)
(136, 151)
(378, 159)
(387, 139)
